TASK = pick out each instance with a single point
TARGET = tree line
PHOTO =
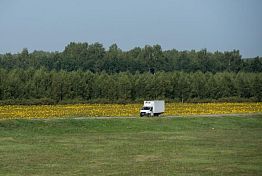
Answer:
(95, 58)
(44, 86)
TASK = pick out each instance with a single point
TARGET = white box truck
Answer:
(152, 108)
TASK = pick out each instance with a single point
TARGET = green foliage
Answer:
(89, 72)
(94, 57)
(61, 86)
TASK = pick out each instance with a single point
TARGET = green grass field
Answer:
(150, 146)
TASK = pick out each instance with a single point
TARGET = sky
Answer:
(50, 25)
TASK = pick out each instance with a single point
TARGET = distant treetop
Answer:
(94, 57)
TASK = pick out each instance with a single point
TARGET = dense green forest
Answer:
(89, 73)
(43, 86)
(95, 58)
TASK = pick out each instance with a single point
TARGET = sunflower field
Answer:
(121, 110)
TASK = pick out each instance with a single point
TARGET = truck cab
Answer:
(146, 111)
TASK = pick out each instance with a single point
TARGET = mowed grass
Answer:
(139, 146)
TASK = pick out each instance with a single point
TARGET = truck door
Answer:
(152, 111)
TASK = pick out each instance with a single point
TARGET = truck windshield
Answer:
(146, 108)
